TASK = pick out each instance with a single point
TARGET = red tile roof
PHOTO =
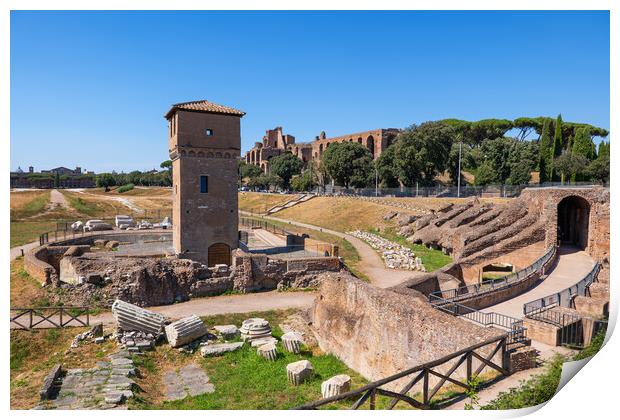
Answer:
(203, 106)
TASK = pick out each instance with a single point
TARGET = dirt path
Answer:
(17, 251)
(370, 263)
(228, 304)
(58, 199)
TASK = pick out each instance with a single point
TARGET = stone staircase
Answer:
(298, 200)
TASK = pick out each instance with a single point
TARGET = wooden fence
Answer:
(423, 373)
(50, 317)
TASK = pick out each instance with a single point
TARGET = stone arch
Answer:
(191, 153)
(218, 253)
(183, 152)
(201, 154)
(573, 221)
(218, 154)
(321, 149)
(227, 155)
(370, 143)
(209, 154)
(359, 140)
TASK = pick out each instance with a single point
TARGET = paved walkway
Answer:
(572, 265)
(228, 304)
(370, 263)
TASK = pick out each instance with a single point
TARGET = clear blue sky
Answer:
(91, 88)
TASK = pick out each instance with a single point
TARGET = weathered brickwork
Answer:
(275, 143)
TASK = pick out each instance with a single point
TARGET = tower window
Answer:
(209, 132)
(204, 184)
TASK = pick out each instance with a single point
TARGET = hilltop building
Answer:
(275, 143)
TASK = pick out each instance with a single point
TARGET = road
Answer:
(572, 265)
(370, 263)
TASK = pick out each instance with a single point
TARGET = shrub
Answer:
(125, 188)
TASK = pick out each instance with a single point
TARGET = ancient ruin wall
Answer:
(379, 332)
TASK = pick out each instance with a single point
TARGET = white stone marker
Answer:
(299, 372)
(268, 351)
(291, 341)
(336, 385)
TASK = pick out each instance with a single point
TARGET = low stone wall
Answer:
(448, 277)
(93, 279)
(379, 332)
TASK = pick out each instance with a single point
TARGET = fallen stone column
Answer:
(268, 351)
(336, 385)
(185, 330)
(291, 341)
(254, 328)
(134, 318)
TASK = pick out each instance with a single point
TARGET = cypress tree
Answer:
(544, 152)
(557, 144)
(582, 143)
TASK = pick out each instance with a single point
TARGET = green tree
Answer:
(285, 166)
(545, 152)
(247, 170)
(486, 174)
(558, 146)
(105, 180)
(304, 182)
(422, 152)
(348, 164)
(166, 164)
(568, 164)
(386, 169)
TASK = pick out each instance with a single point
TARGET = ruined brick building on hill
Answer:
(275, 143)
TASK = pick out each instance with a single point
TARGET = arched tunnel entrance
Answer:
(573, 219)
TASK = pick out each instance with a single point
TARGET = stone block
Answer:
(185, 330)
(219, 349)
(299, 372)
(595, 307)
(292, 341)
(336, 385)
(262, 341)
(228, 332)
(47, 389)
(268, 351)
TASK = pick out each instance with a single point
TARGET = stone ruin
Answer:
(91, 279)
(395, 256)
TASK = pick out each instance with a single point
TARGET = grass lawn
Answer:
(261, 202)
(23, 232)
(28, 203)
(339, 213)
(431, 258)
(26, 291)
(242, 379)
(34, 353)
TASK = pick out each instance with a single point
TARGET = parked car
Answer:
(123, 221)
(96, 224)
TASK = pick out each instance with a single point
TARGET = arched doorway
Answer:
(219, 254)
(573, 220)
(370, 143)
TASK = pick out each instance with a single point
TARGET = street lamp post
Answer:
(458, 175)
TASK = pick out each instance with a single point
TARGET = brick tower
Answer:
(204, 142)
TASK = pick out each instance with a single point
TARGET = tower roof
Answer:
(203, 106)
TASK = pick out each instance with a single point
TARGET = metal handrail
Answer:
(563, 298)
(466, 292)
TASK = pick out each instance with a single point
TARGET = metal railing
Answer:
(49, 317)
(563, 298)
(263, 224)
(466, 292)
(447, 191)
(517, 333)
(423, 373)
